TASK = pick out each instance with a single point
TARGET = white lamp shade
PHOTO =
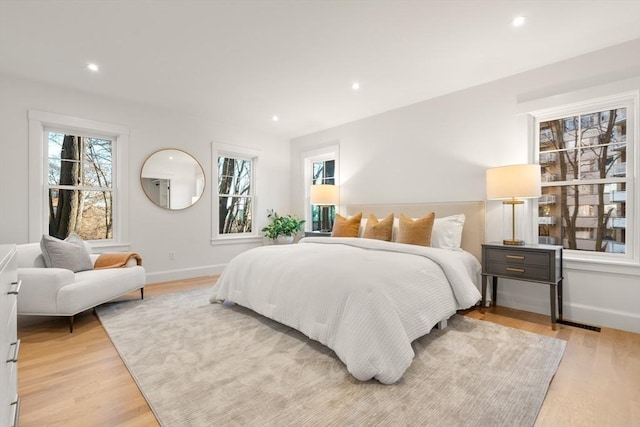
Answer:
(515, 181)
(324, 194)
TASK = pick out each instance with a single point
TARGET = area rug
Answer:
(202, 364)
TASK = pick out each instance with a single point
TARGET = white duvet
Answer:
(365, 299)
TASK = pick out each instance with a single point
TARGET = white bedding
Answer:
(365, 299)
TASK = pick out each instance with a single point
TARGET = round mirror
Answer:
(172, 179)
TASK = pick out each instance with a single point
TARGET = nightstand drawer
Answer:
(519, 257)
(518, 271)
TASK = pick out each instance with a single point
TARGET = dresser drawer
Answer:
(9, 346)
(526, 272)
(519, 257)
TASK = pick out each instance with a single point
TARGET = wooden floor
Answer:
(79, 380)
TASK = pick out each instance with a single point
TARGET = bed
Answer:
(366, 299)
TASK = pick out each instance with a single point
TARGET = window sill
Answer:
(236, 240)
(100, 247)
(626, 267)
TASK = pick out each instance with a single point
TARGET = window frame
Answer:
(628, 100)
(40, 124)
(242, 153)
(310, 157)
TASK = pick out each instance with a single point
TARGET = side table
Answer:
(530, 263)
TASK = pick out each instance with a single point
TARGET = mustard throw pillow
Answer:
(380, 230)
(416, 232)
(346, 227)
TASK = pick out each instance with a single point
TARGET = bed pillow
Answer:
(346, 227)
(380, 230)
(69, 253)
(363, 225)
(415, 232)
(447, 232)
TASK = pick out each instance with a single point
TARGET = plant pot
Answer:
(284, 240)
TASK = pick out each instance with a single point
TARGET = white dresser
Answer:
(9, 343)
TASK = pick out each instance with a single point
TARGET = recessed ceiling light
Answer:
(275, 118)
(92, 67)
(355, 86)
(518, 21)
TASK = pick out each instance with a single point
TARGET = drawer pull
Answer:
(16, 290)
(15, 407)
(16, 350)
(515, 270)
(515, 256)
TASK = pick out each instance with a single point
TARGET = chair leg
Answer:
(71, 324)
(141, 293)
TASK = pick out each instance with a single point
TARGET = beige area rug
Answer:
(201, 364)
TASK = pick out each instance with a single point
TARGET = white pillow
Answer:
(447, 232)
(363, 225)
(70, 253)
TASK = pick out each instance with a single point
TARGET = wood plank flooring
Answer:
(79, 380)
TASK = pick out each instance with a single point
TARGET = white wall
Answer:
(153, 232)
(439, 150)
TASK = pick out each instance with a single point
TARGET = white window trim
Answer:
(238, 152)
(329, 152)
(621, 93)
(41, 122)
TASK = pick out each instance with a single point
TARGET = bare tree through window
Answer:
(80, 190)
(235, 195)
(583, 159)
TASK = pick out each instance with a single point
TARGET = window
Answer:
(79, 185)
(322, 217)
(586, 161)
(321, 166)
(76, 167)
(235, 195)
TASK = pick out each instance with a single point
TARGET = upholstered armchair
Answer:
(47, 291)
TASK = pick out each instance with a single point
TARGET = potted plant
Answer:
(282, 229)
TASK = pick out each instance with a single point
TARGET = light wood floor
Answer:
(79, 380)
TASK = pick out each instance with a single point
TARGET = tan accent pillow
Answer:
(343, 227)
(416, 232)
(380, 230)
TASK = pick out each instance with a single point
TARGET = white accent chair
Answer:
(60, 292)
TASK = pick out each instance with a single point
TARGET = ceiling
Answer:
(244, 61)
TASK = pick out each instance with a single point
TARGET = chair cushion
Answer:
(69, 253)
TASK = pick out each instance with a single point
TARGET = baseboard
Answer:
(184, 273)
(603, 317)
(591, 315)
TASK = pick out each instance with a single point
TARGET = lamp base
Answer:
(513, 242)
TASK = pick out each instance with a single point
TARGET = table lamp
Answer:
(324, 195)
(512, 183)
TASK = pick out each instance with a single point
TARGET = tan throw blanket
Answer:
(115, 259)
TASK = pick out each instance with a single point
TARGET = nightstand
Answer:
(317, 234)
(530, 263)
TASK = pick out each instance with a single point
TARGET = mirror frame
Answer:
(157, 153)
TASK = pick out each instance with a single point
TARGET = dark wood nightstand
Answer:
(317, 234)
(531, 263)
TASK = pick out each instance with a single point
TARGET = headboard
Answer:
(472, 233)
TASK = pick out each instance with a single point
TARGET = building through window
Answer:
(584, 161)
